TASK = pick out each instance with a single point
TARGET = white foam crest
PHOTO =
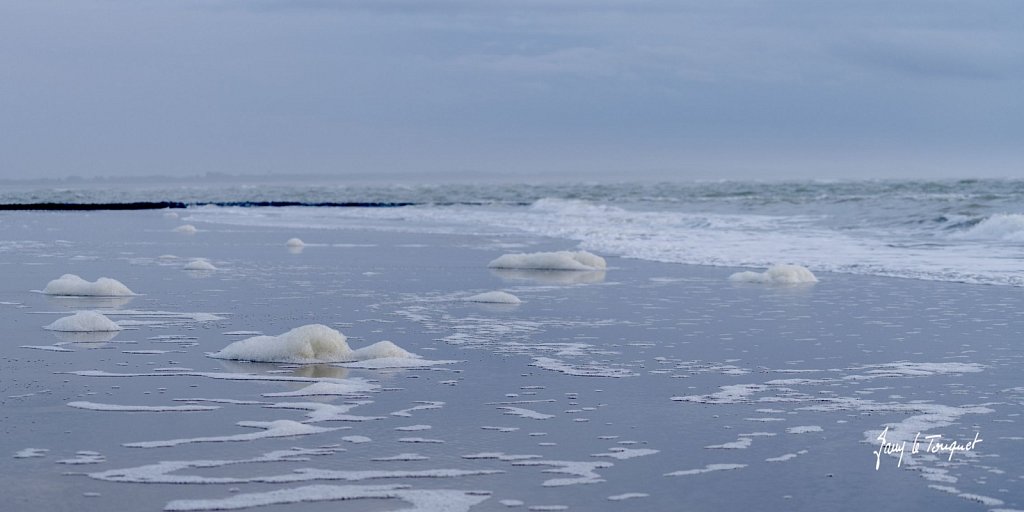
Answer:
(314, 343)
(560, 260)
(187, 229)
(72, 285)
(1005, 227)
(84, 321)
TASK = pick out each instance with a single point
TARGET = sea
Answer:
(969, 231)
(658, 383)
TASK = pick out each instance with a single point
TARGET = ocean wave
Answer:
(1006, 227)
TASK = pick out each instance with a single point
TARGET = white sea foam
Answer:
(580, 370)
(392, 362)
(628, 496)
(326, 412)
(526, 413)
(338, 387)
(72, 285)
(804, 429)
(200, 264)
(777, 274)
(314, 343)
(84, 321)
(707, 469)
(186, 228)
(561, 260)
(495, 297)
(30, 453)
(741, 443)
(582, 472)
(401, 457)
(423, 406)
(621, 453)
(48, 348)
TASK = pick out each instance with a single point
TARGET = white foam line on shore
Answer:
(93, 406)
(424, 405)
(343, 386)
(30, 453)
(707, 469)
(525, 413)
(583, 472)
(269, 429)
(48, 348)
(620, 453)
(319, 411)
(401, 457)
(740, 444)
(627, 496)
(432, 500)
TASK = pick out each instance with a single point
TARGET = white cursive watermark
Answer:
(935, 445)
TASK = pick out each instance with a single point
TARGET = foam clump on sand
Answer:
(185, 228)
(313, 343)
(295, 242)
(381, 350)
(560, 260)
(84, 321)
(778, 274)
(494, 298)
(70, 284)
(200, 264)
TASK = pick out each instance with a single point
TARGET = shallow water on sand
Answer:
(648, 386)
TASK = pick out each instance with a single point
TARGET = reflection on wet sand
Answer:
(313, 371)
(93, 339)
(87, 302)
(551, 276)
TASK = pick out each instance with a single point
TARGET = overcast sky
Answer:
(694, 89)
